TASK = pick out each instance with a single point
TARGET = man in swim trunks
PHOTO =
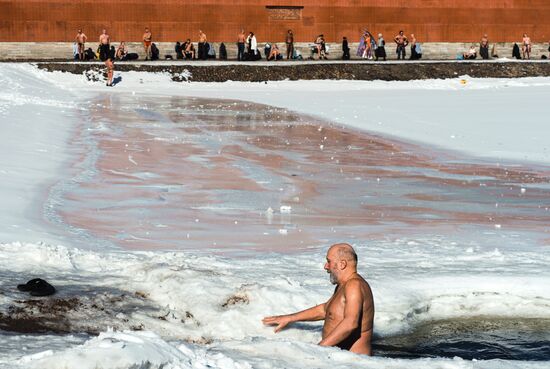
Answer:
(402, 42)
(81, 41)
(189, 49)
(526, 46)
(203, 51)
(104, 45)
(348, 314)
(110, 65)
(147, 40)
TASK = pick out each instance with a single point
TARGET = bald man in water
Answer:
(348, 314)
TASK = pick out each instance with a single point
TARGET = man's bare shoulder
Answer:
(357, 282)
(354, 284)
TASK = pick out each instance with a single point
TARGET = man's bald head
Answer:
(345, 252)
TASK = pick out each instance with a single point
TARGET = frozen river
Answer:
(231, 176)
(179, 221)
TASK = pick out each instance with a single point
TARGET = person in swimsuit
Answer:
(348, 314)
(470, 54)
(110, 65)
(189, 49)
(203, 47)
(104, 46)
(81, 41)
(274, 53)
(402, 42)
(526, 46)
(241, 38)
(121, 51)
(289, 41)
(367, 53)
(147, 40)
(319, 47)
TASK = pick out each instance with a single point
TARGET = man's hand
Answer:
(280, 321)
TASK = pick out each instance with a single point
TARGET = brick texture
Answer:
(170, 20)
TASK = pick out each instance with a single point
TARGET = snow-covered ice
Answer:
(199, 309)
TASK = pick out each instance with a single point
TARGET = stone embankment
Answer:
(216, 71)
(63, 51)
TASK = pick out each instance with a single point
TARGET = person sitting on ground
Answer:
(484, 47)
(526, 46)
(348, 314)
(274, 53)
(319, 47)
(189, 49)
(121, 51)
(470, 54)
(89, 54)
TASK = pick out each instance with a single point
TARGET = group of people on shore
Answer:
(247, 48)
(107, 52)
(472, 53)
(370, 49)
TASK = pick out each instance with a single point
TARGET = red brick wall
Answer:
(171, 20)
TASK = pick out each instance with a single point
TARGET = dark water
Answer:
(472, 338)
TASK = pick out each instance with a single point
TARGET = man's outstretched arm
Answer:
(352, 315)
(281, 321)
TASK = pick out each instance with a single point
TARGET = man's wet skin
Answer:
(350, 289)
(348, 314)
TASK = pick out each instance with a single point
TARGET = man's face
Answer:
(331, 266)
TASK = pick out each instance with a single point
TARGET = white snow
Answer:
(501, 119)
(414, 280)
(36, 121)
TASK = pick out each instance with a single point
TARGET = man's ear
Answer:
(343, 264)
